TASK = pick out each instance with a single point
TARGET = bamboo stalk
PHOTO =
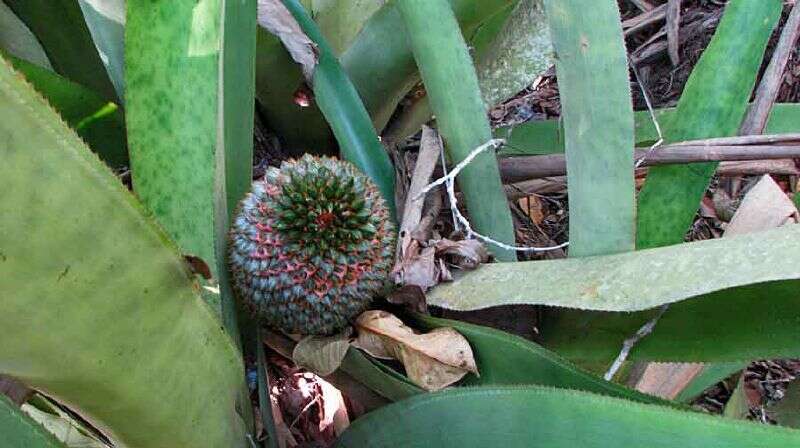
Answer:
(750, 147)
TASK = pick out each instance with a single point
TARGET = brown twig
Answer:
(655, 47)
(673, 27)
(641, 21)
(643, 5)
(767, 92)
(768, 147)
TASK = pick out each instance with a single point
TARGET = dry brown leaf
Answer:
(333, 409)
(532, 206)
(274, 16)
(418, 268)
(765, 206)
(432, 360)
(322, 354)
(465, 254)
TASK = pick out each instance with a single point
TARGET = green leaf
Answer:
(711, 374)
(452, 86)
(787, 411)
(632, 281)
(737, 407)
(190, 121)
(19, 430)
(17, 39)
(728, 278)
(341, 20)
(106, 22)
(713, 104)
(99, 309)
(97, 121)
(344, 111)
(60, 27)
(540, 416)
(505, 359)
(379, 62)
(510, 50)
(377, 376)
(598, 125)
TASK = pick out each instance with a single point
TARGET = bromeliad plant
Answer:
(101, 312)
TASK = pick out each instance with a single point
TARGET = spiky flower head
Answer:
(311, 245)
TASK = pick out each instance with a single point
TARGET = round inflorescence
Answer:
(311, 245)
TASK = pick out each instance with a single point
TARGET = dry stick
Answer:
(628, 344)
(644, 5)
(643, 20)
(757, 115)
(673, 25)
(429, 150)
(518, 169)
(558, 184)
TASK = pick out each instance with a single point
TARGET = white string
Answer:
(448, 180)
(652, 112)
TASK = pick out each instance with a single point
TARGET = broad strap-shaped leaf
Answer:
(510, 49)
(105, 20)
(452, 85)
(340, 104)
(633, 281)
(378, 61)
(749, 283)
(99, 310)
(713, 104)
(506, 359)
(538, 416)
(598, 124)
(62, 31)
(17, 40)
(17, 429)
(98, 121)
(189, 109)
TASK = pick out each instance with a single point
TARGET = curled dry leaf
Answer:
(322, 354)
(432, 360)
(425, 266)
(274, 16)
(464, 254)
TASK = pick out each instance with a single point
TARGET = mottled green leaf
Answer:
(598, 124)
(190, 120)
(99, 309)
